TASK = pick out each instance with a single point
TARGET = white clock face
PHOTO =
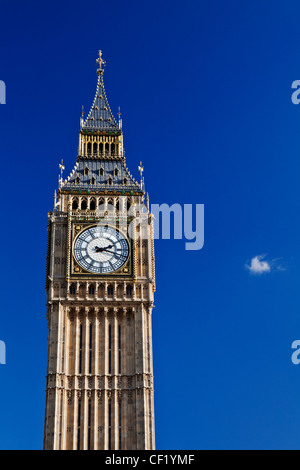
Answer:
(101, 249)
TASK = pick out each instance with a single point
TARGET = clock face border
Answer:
(126, 270)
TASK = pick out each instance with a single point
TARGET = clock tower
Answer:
(100, 284)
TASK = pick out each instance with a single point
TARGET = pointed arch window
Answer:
(101, 171)
(72, 289)
(112, 148)
(95, 148)
(86, 171)
(93, 180)
(109, 182)
(101, 202)
(89, 148)
(75, 204)
(110, 290)
(83, 205)
(129, 291)
(116, 172)
(92, 289)
(110, 204)
(77, 181)
(93, 205)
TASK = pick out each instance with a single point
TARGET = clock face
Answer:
(101, 250)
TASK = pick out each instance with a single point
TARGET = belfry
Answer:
(100, 283)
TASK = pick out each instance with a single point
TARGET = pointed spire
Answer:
(141, 170)
(100, 116)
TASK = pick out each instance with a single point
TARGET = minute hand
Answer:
(114, 253)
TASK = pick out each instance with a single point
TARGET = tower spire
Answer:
(100, 116)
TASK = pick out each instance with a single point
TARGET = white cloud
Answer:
(258, 265)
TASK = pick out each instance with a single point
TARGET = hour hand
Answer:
(97, 249)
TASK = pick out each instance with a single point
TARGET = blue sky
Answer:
(205, 95)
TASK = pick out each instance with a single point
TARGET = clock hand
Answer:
(114, 253)
(99, 249)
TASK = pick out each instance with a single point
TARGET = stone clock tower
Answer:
(100, 282)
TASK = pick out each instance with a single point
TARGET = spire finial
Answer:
(100, 61)
(62, 167)
(120, 120)
(82, 111)
(141, 169)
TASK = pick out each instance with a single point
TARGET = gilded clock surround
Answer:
(126, 270)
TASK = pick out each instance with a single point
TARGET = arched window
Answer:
(77, 180)
(95, 148)
(75, 205)
(92, 205)
(101, 147)
(93, 181)
(109, 182)
(110, 204)
(89, 148)
(101, 171)
(128, 204)
(129, 290)
(92, 289)
(83, 205)
(86, 171)
(112, 149)
(106, 147)
(110, 290)
(72, 289)
(116, 172)
(124, 181)
(118, 205)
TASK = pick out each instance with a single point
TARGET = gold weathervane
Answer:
(100, 61)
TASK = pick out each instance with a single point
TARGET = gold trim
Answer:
(124, 271)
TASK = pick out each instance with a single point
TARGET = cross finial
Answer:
(100, 61)
(62, 167)
(141, 169)
(120, 120)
